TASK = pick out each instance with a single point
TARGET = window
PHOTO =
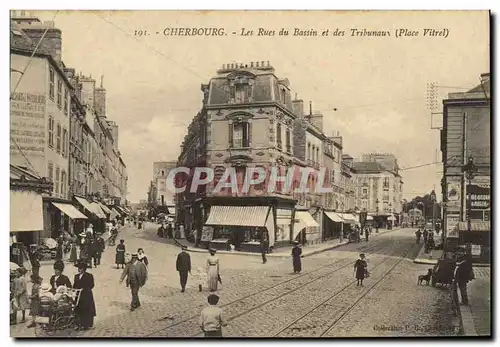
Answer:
(365, 191)
(333, 176)
(59, 92)
(242, 93)
(288, 141)
(283, 96)
(56, 183)
(58, 139)
(385, 197)
(50, 170)
(66, 101)
(241, 134)
(64, 142)
(278, 134)
(308, 152)
(52, 76)
(386, 182)
(317, 155)
(386, 206)
(51, 132)
(63, 183)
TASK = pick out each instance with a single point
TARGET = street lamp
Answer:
(376, 215)
(469, 169)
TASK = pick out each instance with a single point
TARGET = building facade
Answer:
(49, 121)
(247, 121)
(378, 188)
(466, 136)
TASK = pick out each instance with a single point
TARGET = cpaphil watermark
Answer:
(277, 179)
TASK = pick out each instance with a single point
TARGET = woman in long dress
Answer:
(296, 257)
(360, 268)
(21, 293)
(212, 271)
(85, 310)
(120, 255)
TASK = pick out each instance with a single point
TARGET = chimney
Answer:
(298, 107)
(100, 100)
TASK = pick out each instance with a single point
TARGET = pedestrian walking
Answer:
(59, 247)
(296, 257)
(85, 310)
(212, 270)
(418, 234)
(170, 231)
(425, 235)
(120, 255)
(21, 293)
(161, 231)
(360, 269)
(367, 233)
(35, 263)
(136, 274)
(101, 246)
(263, 249)
(183, 266)
(142, 257)
(211, 319)
(35, 299)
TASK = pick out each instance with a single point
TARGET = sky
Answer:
(377, 85)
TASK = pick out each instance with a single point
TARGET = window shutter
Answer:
(231, 135)
(249, 133)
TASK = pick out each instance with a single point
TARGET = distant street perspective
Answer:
(203, 194)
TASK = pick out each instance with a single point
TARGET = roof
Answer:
(16, 172)
(479, 88)
(368, 167)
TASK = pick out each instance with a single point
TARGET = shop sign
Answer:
(27, 124)
(476, 250)
(479, 195)
(453, 194)
(452, 225)
(207, 234)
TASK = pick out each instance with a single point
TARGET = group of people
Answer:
(91, 245)
(53, 291)
(166, 231)
(429, 242)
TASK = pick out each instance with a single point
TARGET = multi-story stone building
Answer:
(379, 187)
(49, 121)
(466, 136)
(247, 121)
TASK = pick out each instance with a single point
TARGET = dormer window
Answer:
(283, 96)
(241, 89)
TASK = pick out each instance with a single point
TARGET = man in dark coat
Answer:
(463, 274)
(183, 265)
(85, 310)
(137, 274)
(99, 246)
(296, 257)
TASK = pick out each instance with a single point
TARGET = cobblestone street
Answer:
(268, 300)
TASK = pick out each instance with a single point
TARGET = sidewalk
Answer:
(476, 317)
(433, 256)
(284, 252)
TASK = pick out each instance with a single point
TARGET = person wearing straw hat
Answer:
(137, 274)
(85, 310)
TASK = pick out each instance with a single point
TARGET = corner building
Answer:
(247, 120)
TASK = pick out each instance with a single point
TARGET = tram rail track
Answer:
(306, 325)
(192, 321)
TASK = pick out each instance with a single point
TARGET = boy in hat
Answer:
(183, 266)
(211, 321)
(136, 273)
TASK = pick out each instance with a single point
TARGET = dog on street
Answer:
(425, 278)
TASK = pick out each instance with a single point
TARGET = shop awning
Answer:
(303, 219)
(96, 209)
(26, 211)
(334, 217)
(245, 216)
(171, 210)
(114, 214)
(475, 226)
(69, 210)
(369, 218)
(104, 208)
(84, 203)
(391, 217)
(348, 218)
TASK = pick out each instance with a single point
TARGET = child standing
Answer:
(201, 278)
(21, 293)
(35, 299)
(211, 321)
